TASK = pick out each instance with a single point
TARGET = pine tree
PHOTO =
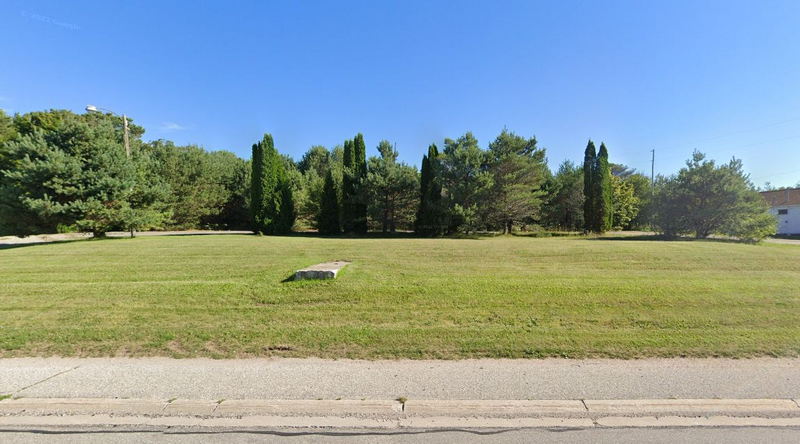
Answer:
(589, 202)
(604, 205)
(69, 170)
(328, 217)
(272, 202)
(391, 190)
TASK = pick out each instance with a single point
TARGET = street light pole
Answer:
(125, 135)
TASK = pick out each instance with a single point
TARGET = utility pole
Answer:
(652, 168)
(126, 141)
(125, 137)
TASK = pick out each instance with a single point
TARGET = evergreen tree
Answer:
(519, 170)
(391, 188)
(272, 204)
(256, 185)
(354, 208)
(705, 198)
(466, 177)
(70, 171)
(589, 201)
(348, 187)
(421, 224)
(603, 192)
(437, 212)
(328, 217)
(360, 204)
(431, 218)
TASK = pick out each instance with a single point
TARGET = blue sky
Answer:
(719, 76)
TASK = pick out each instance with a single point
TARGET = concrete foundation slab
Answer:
(326, 270)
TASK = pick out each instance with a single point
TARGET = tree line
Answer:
(61, 171)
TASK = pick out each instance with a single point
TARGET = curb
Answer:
(389, 414)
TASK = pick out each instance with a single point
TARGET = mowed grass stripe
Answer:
(225, 296)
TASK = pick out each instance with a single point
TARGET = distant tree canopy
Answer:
(61, 171)
(563, 208)
(8, 130)
(208, 189)
(329, 212)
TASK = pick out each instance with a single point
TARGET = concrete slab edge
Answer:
(427, 414)
(265, 422)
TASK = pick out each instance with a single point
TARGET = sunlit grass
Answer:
(224, 296)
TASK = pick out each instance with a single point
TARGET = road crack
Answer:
(45, 379)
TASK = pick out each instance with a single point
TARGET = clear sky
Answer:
(719, 76)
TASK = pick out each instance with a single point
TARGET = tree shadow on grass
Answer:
(379, 235)
(115, 235)
(125, 234)
(34, 244)
(637, 237)
(546, 234)
(11, 246)
(663, 238)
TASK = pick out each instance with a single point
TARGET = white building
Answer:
(785, 205)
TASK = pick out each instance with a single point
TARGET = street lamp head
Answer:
(91, 108)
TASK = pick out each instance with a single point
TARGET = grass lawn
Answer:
(516, 297)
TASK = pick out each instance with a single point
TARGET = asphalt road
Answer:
(631, 435)
(348, 379)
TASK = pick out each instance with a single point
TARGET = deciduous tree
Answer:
(625, 202)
